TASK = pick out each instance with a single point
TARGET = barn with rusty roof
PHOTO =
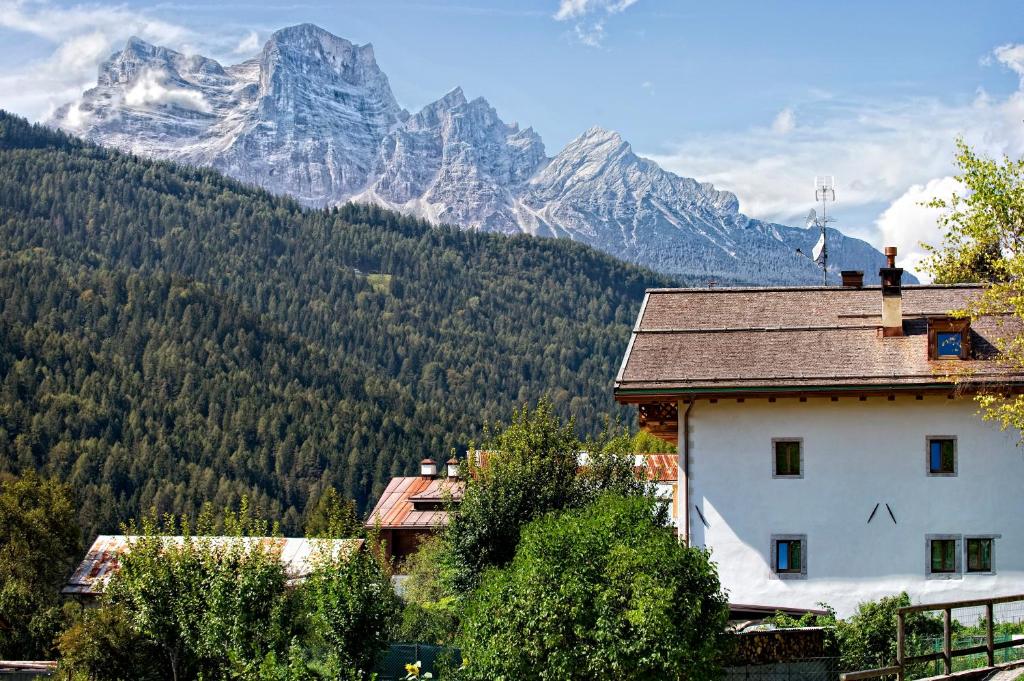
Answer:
(296, 554)
(412, 508)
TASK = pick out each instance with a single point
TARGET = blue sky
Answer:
(757, 97)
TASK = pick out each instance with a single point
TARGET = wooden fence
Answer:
(946, 655)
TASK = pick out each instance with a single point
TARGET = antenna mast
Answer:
(824, 191)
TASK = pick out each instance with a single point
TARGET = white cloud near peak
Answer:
(81, 36)
(150, 88)
(248, 45)
(590, 16)
(887, 155)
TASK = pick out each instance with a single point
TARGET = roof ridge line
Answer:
(747, 329)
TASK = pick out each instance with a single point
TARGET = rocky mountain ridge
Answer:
(313, 116)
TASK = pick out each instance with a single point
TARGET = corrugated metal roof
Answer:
(396, 508)
(660, 467)
(296, 555)
(440, 489)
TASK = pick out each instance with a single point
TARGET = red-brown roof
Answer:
(661, 467)
(717, 341)
(396, 507)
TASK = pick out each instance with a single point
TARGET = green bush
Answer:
(867, 639)
(351, 611)
(39, 542)
(213, 610)
(205, 608)
(429, 615)
(102, 645)
(533, 468)
(605, 591)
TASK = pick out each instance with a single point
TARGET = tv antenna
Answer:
(824, 191)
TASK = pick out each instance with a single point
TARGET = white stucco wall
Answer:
(856, 455)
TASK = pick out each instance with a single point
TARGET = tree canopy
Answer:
(983, 241)
(534, 466)
(39, 544)
(605, 591)
(170, 337)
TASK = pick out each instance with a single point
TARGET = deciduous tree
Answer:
(605, 591)
(983, 241)
(39, 544)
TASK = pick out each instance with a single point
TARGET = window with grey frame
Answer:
(787, 457)
(789, 556)
(943, 556)
(980, 554)
(941, 456)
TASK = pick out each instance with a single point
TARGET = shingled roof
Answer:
(718, 341)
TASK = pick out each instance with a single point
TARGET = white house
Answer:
(824, 453)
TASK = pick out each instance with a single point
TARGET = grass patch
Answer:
(381, 283)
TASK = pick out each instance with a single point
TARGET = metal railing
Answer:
(948, 652)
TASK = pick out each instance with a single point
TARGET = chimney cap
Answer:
(452, 460)
(890, 254)
(428, 468)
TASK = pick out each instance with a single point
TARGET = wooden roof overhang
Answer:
(658, 411)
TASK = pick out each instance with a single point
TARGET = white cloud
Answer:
(150, 88)
(784, 122)
(572, 9)
(590, 34)
(1011, 56)
(907, 222)
(878, 150)
(56, 24)
(76, 118)
(81, 37)
(248, 45)
(590, 17)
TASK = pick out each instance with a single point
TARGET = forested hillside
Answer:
(169, 336)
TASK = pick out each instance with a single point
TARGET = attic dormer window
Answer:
(949, 338)
(949, 344)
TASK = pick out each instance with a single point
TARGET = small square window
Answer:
(979, 554)
(943, 555)
(942, 456)
(948, 344)
(788, 462)
(949, 338)
(943, 559)
(789, 556)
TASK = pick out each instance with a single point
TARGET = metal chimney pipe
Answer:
(892, 295)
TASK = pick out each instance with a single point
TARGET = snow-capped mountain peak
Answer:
(313, 115)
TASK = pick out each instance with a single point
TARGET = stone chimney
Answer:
(428, 468)
(892, 295)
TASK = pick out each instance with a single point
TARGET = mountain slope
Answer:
(313, 116)
(169, 336)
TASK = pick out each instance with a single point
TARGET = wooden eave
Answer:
(658, 409)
